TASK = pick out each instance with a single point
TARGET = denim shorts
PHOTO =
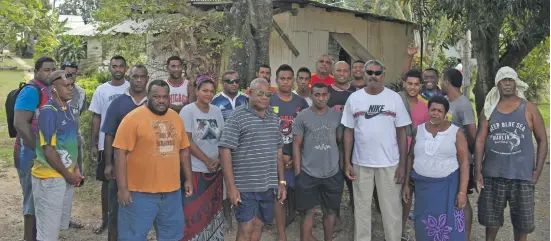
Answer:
(25, 179)
(255, 204)
(162, 210)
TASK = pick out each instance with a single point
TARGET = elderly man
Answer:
(253, 163)
(323, 70)
(504, 156)
(375, 119)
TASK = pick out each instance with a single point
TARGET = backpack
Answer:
(10, 105)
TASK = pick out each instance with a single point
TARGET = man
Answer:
(78, 105)
(151, 150)
(229, 98)
(504, 156)
(358, 74)
(182, 91)
(318, 159)
(430, 76)
(286, 105)
(102, 98)
(304, 79)
(134, 97)
(26, 112)
(253, 163)
(417, 109)
(461, 114)
(264, 71)
(323, 70)
(375, 120)
(55, 171)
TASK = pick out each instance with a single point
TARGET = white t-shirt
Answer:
(374, 119)
(102, 98)
(179, 93)
(308, 100)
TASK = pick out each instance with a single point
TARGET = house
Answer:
(303, 30)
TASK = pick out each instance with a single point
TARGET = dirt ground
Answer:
(86, 208)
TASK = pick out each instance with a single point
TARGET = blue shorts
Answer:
(25, 179)
(255, 204)
(162, 210)
(290, 178)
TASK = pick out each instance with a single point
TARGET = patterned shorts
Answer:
(493, 200)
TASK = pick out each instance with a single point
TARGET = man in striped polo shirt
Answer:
(251, 164)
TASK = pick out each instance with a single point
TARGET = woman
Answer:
(441, 173)
(204, 123)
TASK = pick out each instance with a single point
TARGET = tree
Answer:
(84, 8)
(250, 21)
(503, 33)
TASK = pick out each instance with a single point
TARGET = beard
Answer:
(156, 112)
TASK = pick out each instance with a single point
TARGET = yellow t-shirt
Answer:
(154, 143)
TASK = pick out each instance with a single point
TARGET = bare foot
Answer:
(101, 228)
(338, 225)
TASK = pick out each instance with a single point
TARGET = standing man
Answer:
(323, 70)
(78, 105)
(264, 71)
(229, 98)
(182, 91)
(430, 76)
(26, 110)
(375, 120)
(227, 101)
(461, 114)
(286, 105)
(304, 79)
(152, 149)
(317, 155)
(134, 97)
(358, 74)
(252, 163)
(504, 157)
(55, 171)
(102, 98)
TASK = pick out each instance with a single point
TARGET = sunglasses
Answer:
(69, 64)
(262, 93)
(64, 76)
(232, 81)
(371, 72)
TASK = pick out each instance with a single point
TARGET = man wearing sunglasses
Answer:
(78, 106)
(182, 91)
(252, 163)
(286, 105)
(375, 143)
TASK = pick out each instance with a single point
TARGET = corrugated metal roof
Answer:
(129, 26)
(86, 30)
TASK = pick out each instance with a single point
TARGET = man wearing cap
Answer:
(55, 171)
(504, 156)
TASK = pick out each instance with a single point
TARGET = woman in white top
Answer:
(204, 123)
(439, 168)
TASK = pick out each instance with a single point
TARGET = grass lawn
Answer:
(544, 110)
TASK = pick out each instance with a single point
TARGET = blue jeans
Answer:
(162, 210)
(25, 179)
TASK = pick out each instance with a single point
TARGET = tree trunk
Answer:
(486, 47)
(250, 21)
(466, 57)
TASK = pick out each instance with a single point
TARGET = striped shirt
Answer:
(254, 142)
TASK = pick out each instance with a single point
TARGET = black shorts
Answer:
(471, 184)
(312, 191)
(493, 200)
(100, 169)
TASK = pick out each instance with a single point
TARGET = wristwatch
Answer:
(283, 182)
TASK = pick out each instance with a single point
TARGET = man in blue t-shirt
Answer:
(229, 98)
(25, 122)
(134, 97)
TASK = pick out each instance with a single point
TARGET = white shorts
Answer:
(53, 200)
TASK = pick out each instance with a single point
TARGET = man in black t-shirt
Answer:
(358, 74)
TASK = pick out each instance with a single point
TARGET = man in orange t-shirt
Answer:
(323, 71)
(152, 148)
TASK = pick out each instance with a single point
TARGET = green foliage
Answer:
(534, 70)
(131, 46)
(84, 8)
(70, 49)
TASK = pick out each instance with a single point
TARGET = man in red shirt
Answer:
(323, 70)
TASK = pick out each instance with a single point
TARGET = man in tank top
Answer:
(504, 156)
(182, 91)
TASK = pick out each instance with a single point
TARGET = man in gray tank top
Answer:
(504, 156)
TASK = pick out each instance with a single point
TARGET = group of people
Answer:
(176, 155)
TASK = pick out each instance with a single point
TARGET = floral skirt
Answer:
(436, 217)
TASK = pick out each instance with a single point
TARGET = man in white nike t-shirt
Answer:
(375, 119)
(102, 98)
(182, 91)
